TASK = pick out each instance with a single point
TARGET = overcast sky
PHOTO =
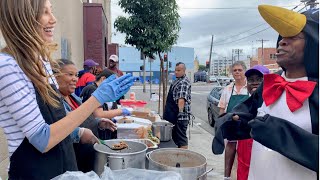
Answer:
(227, 20)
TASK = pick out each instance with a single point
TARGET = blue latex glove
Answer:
(114, 120)
(113, 88)
(126, 112)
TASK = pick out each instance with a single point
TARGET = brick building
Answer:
(83, 30)
(268, 60)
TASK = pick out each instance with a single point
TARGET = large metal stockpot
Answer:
(162, 130)
(189, 164)
(131, 157)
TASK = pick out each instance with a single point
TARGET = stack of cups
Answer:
(133, 96)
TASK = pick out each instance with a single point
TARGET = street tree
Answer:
(203, 68)
(152, 26)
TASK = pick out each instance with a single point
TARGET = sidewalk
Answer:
(200, 141)
(4, 159)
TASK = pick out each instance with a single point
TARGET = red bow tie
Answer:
(297, 92)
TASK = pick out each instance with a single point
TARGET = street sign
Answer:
(150, 59)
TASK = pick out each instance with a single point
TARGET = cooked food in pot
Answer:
(120, 145)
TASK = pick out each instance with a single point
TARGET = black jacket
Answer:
(275, 133)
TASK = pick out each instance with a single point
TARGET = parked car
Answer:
(200, 76)
(212, 104)
(213, 79)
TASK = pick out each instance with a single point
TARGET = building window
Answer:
(272, 56)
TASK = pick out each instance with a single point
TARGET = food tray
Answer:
(141, 121)
(132, 103)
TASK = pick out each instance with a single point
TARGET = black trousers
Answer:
(85, 155)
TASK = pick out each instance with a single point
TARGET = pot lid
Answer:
(133, 147)
(136, 120)
(162, 123)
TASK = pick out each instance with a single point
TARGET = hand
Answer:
(244, 118)
(126, 112)
(105, 123)
(88, 137)
(113, 88)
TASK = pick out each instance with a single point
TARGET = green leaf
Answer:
(152, 25)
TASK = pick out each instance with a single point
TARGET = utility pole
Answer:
(232, 56)
(219, 69)
(310, 3)
(238, 54)
(262, 58)
(236, 51)
(209, 72)
(225, 65)
(252, 50)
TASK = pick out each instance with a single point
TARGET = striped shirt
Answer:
(20, 115)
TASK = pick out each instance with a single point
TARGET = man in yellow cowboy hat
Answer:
(283, 115)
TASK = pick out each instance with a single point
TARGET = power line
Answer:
(227, 8)
(243, 37)
(245, 31)
(240, 33)
(249, 30)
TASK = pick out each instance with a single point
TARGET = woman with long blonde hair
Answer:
(31, 112)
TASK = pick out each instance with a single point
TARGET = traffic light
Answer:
(207, 65)
(165, 57)
(170, 64)
(141, 68)
(142, 56)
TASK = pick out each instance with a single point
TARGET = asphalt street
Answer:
(199, 94)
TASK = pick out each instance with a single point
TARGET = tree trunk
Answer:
(162, 80)
(164, 95)
(167, 75)
(159, 102)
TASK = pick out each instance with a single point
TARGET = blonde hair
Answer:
(20, 28)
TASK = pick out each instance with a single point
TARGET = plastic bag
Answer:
(123, 174)
(138, 174)
(77, 175)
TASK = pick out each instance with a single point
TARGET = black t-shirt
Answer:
(86, 94)
(87, 91)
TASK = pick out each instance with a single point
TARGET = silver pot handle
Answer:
(204, 173)
(116, 157)
(148, 155)
(170, 125)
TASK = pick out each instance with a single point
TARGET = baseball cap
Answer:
(90, 63)
(114, 58)
(258, 69)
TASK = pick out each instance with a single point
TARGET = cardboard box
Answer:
(144, 115)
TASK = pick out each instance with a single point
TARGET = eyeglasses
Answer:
(235, 70)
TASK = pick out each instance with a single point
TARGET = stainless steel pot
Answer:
(189, 164)
(162, 130)
(131, 157)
